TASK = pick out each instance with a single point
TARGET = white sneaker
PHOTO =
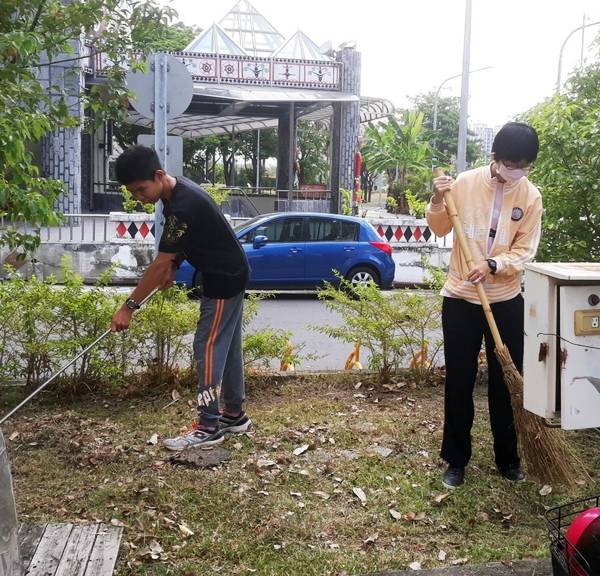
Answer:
(195, 439)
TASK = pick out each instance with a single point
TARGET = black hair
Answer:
(515, 142)
(137, 163)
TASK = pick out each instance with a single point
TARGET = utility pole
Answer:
(461, 159)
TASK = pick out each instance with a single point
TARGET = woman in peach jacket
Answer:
(501, 211)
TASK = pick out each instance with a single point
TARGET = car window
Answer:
(331, 230)
(281, 230)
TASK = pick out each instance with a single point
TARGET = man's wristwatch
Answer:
(493, 265)
(132, 304)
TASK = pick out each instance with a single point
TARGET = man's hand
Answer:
(441, 185)
(479, 273)
(121, 319)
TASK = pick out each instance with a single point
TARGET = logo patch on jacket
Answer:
(517, 214)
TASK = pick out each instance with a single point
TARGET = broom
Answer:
(548, 456)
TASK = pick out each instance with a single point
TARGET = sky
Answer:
(411, 46)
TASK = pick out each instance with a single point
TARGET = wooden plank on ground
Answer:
(50, 550)
(30, 536)
(75, 557)
(105, 551)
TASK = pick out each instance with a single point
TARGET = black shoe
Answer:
(514, 474)
(236, 425)
(453, 477)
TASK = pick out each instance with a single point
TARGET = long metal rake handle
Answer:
(57, 374)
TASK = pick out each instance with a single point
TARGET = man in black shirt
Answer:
(196, 230)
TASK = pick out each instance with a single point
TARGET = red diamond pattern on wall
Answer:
(417, 233)
(121, 229)
(144, 230)
(398, 233)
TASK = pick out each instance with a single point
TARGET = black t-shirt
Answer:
(196, 228)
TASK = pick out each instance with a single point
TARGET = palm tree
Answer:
(397, 148)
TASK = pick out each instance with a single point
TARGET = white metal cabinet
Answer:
(562, 358)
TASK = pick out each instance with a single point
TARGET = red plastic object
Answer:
(583, 543)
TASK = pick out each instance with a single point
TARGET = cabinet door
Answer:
(539, 370)
(580, 367)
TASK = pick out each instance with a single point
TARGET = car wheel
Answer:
(362, 275)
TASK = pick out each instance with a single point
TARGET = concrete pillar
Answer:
(61, 150)
(286, 150)
(348, 124)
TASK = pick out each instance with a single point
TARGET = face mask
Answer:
(511, 174)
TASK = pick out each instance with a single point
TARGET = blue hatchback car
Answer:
(303, 250)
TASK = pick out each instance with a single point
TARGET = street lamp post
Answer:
(461, 154)
(560, 55)
(437, 94)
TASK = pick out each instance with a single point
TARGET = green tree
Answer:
(248, 150)
(312, 153)
(445, 137)
(568, 167)
(398, 149)
(33, 33)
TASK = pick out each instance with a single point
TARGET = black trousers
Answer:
(464, 326)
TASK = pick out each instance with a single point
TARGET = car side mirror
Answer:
(260, 241)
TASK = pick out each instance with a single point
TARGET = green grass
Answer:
(90, 461)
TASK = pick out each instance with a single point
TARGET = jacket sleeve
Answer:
(525, 244)
(437, 218)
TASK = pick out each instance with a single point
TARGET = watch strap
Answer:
(132, 304)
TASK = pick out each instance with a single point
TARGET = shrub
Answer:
(44, 325)
(395, 327)
(263, 346)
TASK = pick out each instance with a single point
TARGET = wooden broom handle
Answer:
(464, 246)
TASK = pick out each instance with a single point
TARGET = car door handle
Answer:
(349, 248)
(295, 250)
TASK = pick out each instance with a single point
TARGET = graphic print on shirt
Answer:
(174, 230)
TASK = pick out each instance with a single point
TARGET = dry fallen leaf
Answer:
(442, 555)
(185, 529)
(116, 522)
(415, 565)
(300, 450)
(321, 494)
(153, 439)
(13, 436)
(412, 517)
(370, 541)
(545, 490)
(440, 498)
(154, 550)
(360, 494)
(395, 514)
(175, 395)
(459, 561)
(483, 517)
(265, 463)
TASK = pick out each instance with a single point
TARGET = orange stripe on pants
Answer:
(210, 343)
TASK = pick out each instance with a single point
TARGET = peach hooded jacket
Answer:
(517, 235)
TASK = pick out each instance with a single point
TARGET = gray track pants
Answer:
(218, 353)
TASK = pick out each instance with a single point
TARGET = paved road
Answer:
(297, 312)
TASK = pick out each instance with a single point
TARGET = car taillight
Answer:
(383, 246)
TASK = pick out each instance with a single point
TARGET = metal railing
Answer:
(77, 228)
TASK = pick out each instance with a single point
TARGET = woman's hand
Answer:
(441, 185)
(479, 273)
